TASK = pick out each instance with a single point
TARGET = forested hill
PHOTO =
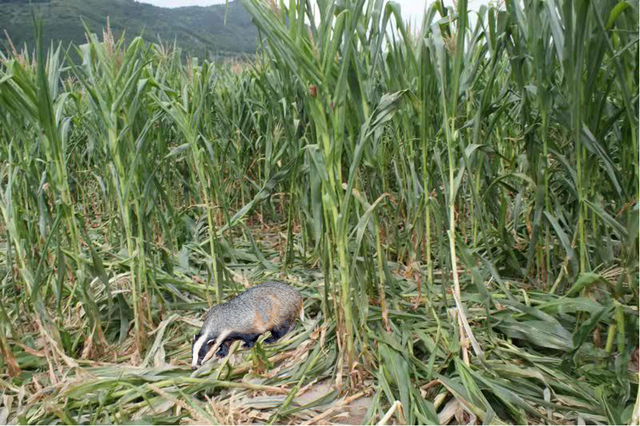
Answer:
(197, 30)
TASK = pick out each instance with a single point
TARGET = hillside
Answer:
(198, 30)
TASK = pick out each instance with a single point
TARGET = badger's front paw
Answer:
(223, 351)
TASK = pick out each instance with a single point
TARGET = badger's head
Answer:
(204, 345)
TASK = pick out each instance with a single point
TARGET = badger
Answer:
(272, 306)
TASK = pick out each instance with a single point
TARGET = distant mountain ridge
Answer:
(200, 31)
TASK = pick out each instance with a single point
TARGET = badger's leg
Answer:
(278, 331)
(249, 340)
(224, 349)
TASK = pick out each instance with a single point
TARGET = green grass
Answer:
(457, 203)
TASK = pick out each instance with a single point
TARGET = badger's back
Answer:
(260, 308)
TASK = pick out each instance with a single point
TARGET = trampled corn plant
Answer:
(339, 143)
(121, 130)
(37, 190)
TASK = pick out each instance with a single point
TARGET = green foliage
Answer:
(220, 30)
(457, 203)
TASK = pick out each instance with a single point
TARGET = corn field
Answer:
(457, 202)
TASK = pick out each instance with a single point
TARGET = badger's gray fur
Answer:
(272, 306)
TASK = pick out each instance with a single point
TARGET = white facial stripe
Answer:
(215, 347)
(196, 349)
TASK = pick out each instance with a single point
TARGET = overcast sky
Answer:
(410, 8)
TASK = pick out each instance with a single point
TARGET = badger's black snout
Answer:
(195, 367)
